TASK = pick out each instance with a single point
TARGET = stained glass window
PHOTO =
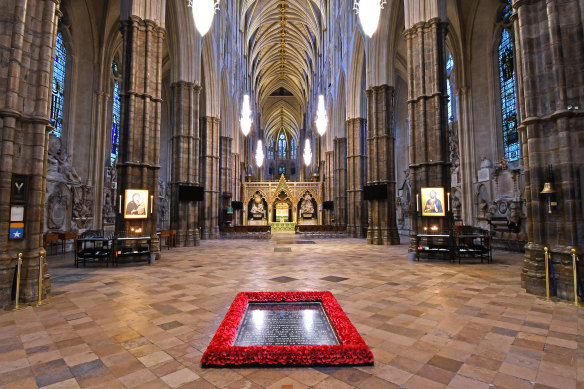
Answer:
(449, 88)
(116, 116)
(58, 93)
(282, 145)
(271, 148)
(508, 98)
(292, 148)
(507, 11)
(281, 170)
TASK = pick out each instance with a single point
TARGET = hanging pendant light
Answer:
(307, 153)
(369, 12)
(203, 12)
(321, 119)
(245, 120)
(259, 157)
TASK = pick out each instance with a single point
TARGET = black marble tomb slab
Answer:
(285, 324)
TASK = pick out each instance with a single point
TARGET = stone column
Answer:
(340, 181)
(356, 176)
(185, 161)
(381, 165)
(236, 185)
(210, 149)
(427, 106)
(141, 98)
(225, 170)
(328, 185)
(550, 52)
(28, 44)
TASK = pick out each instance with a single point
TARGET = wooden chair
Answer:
(173, 238)
(51, 240)
(64, 237)
(165, 239)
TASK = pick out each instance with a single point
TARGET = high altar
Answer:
(282, 204)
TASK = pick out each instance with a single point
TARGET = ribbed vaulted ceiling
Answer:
(283, 40)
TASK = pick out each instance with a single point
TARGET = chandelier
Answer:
(307, 153)
(321, 119)
(369, 12)
(259, 157)
(245, 120)
(203, 12)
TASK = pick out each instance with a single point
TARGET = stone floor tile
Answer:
(154, 358)
(137, 378)
(429, 324)
(179, 378)
(287, 383)
(265, 377)
(462, 382)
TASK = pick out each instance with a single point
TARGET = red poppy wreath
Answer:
(348, 347)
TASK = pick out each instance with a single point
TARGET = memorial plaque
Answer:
(285, 324)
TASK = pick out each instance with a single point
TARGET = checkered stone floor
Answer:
(430, 324)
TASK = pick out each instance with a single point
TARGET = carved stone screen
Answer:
(285, 323)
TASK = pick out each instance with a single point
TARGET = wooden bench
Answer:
(472, 242)
(131, 248)
(94, 246)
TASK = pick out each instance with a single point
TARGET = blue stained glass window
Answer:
(292, 148)
(449, 88)
(282, 145)
(507, 11)
(281, 170)
(58, 93)
(508, 98)
(271, 148)
(116, 117)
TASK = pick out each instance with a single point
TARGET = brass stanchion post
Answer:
(16, 303)
(40, 299)
(575, 272)
(547, 273)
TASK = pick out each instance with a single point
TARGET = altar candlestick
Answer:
(120, 207)
(448, 202)
(417, 203)
(151, 203)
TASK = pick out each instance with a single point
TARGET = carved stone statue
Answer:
(485, 162)
(492, 211)
(483, 208)
(82, 207)
(306, 206)
(514, 213)
(109, 215)
(59, 163)
(456, 207)
(258, 205)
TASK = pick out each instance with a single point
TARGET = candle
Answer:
(120, 205)
(448, 202)
(151, 203)
(417, 203)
